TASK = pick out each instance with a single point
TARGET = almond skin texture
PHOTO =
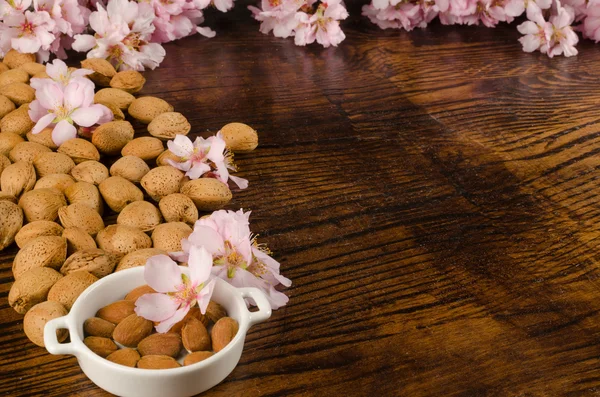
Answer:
(9, 140)
(95, 261)
(101, 346)
(160, 345)
(36, 318)
(196, 357)
(146, 108)
(195, 336)
(37, 229)
(121, 240)
(13, 76)
(135, 293)
(157, 362)
(141, 215)
(111, 137)
(138, 258)
(195, 313)
(79, 150)
(130, 167)
(147, 148)
(3, 67)
(127, 357)
(6, 106)
(85, 193)
(18, 178)
(4, 162)
(95, 326)
(162, 181)
(117, 192)
(90, 172)
(132, 330)
(59, 182)
(11, 220)
(7, 197)
(116, 311)
(117, 113)
(42, 204)
(208, 194)
(67, 289)
(18, 92)
(167, 125)
(17, 121)
(103, 70)
(45, 251)
(178, 207)
(119, 98)
(167, 236)
(13, 59)
(82, 216)
(128, 80)
(215, 312)
(162, 160)
(78, 240)
(223, 332)
(32, 288)
(27, 151)
(52, 163)
(44, 137)
(32, 68)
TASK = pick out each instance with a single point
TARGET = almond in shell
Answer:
(95, 261)
(118, 192)
(167, 236)
(131, 168)
(3, 67)
(31, 288)
(121, 240)
(165, 156)
(6, 106)
(239, 137)
(37, 229)
(101, 346)
(162, 181)
(111, 137)
(141, 215)
(18, 178)
(168, 125)
(117, 311)
(90, 172)
(132, 330)
(128, 357)
(52, 163)
(146, 108)
(27, 151)
(95, 326)
(42, 204)
(103, 70)
(8, 140)
(44, 251)
(128, 80)
(11, 220)
(119, 98)
(85, 193)
(79, 150)
(138, 258)
(17, 121)
(13, 59)
(44, 137)
(147, 148)
(19, 93)
(14, 76)
(178, 207)
(208, 194)
(160, 344)
(36, 318)
(78, 240)
(57, 181)
(117, 113)
(67, 289)
(82, 216)
(4, 162)
(32, 68)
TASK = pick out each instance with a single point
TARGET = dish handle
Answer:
(51, 342)
(264, 307)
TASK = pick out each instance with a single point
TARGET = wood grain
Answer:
(433, 196)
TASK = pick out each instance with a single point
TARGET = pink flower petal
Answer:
(63, 132)
(162, 273)
(197, 170)
(240, 182)
(155, 307)
(166, 325)
(181, 146)
(42, 122)
(204, 296)
(200, 263)
(87, 117)
(207, 237)
(57, 69)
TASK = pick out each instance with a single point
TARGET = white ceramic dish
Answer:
(133, 382)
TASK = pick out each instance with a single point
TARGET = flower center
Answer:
(232, 259)
(133, 41)
(186, 292)
(197, 156)
(26, 28)
(61, 113)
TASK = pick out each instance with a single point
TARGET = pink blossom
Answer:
(237, 257)
(537, 33)
(31, 31)
(322, 26)
(278, 16)
(591, 24)
(60, 73)
(176, 292)
(64, 106)
(204, 157)
(563, 39)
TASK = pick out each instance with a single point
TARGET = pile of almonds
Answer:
(53, 199)
(123, 337)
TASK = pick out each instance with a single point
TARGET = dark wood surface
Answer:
(433, 196)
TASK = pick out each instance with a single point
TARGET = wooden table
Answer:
(433, 196)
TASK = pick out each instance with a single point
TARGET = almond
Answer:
(111, 137)
(3, 67)
(178, 207)
(82, 216)
(208, 194)
(44, 137)
(138, 258)
(194, 312)
(162, 181)
(167, 125)
(18, 178)
(37, 229)
(11, 220)
(9, 140)
(103, 70)
(101, 346)
(67, 289)
(44, 251)
(6, 106)
(78, 240)
(128, 357)
(121, 240)
(167, 236)
(19, 93)
(31, 288)
(195, 336)
(95, 261)
(13, 59)
(85, 193)
(119, 98)
(196, 357)
(223, 332)
(132, 330)
(17, 121)
(147, 148)
(7, 197)
(52, 163)
(128, 80)
(157, 362)
(27, 151)
(116, 311)
(215, 312)
(90, 172)
(36, 318)
(60, 182)
(119, 192)
(146, 108)
(135, 293)
(165, 156)
(160, 345)
(32, 68)
(42, 204)
(95, 326)
(79, 150)
(117, 113)
(130, 167)
(4, 162)
(141, 215)
(14, 76)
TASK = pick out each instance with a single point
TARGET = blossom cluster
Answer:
(221, 246)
